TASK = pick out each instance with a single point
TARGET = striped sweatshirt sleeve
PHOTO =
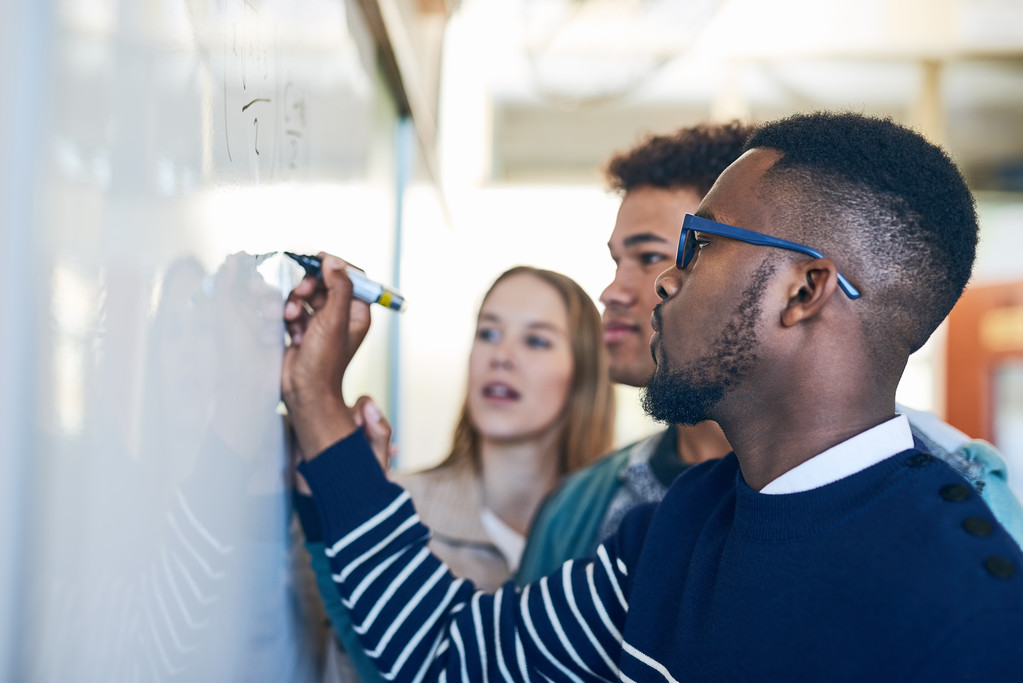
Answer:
(418, 622)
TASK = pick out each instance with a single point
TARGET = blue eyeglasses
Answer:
(692, 224)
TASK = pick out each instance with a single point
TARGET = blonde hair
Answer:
(588, 426)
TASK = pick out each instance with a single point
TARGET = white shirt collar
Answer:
(847, 458)
(510, 542)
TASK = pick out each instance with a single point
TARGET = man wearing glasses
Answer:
(663, 179)
(827, 547)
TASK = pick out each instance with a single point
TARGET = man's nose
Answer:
(668, 282)
(621, 291)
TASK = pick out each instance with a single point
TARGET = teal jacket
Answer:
(568, 523)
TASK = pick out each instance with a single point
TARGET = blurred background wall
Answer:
(157, 153)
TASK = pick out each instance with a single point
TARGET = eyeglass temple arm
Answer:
(768, 241)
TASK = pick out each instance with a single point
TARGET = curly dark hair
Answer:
(891, 208)
(691, 157)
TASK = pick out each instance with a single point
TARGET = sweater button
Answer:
(919, 460)
(978, 526)
(954, 493)
(999, 567)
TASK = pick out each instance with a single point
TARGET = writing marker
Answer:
(362, 287)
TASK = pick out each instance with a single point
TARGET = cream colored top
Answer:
(450, 502)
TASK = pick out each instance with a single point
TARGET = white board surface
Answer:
(160, 149)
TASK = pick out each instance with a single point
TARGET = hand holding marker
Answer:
(362, 287)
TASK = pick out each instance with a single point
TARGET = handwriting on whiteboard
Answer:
(264, 108)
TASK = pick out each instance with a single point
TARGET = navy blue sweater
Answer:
(897, 573)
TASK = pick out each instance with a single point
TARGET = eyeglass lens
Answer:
(686, 249)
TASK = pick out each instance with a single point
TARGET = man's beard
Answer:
(688, 395)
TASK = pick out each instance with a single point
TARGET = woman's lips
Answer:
(499, 391)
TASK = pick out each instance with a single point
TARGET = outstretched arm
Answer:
(416, 620)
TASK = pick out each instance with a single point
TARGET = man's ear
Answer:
(813, 284)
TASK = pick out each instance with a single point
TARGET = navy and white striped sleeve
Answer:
(418, 622)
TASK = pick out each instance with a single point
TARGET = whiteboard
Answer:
(163, 151)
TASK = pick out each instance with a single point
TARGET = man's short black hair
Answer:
(691, 157)
(890, 208)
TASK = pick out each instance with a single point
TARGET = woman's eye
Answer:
(651, 258)
(535, 342)
(487, 334)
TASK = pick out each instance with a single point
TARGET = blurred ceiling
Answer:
(570, 81)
